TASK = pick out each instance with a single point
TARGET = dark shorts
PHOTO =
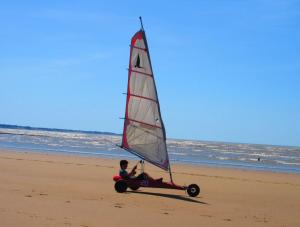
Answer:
(141, 176)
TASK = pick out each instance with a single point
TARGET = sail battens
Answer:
(143, 73)
(143, 97)
(140, 48)
(144, 123)
(143, 133)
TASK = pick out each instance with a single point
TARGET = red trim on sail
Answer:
(143, 97)
(155, 126)
(146, 74)
(137, 36)
(124, 140)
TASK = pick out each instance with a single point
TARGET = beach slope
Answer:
(58, 190)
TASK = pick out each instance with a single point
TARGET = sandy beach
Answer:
(59, 190)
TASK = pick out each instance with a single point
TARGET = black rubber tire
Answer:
(121, 186)
(193, 190)
(134, 187)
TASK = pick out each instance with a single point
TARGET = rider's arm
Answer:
(132, 173)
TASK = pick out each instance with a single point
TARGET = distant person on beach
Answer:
(131, 175)
(258, 159)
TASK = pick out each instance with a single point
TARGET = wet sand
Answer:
(60, 190)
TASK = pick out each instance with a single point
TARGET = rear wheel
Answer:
(193, 190)
(121, 186)
(134, 187)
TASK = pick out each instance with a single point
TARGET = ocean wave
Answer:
(193, 152)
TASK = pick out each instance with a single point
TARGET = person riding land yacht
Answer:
(131, 175)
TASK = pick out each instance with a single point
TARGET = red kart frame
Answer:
(121, 185)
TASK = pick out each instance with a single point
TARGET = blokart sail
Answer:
(144, 132)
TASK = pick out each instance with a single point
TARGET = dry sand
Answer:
(60, 190)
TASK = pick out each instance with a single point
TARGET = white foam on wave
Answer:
(288, 163)
(196, 150)
(232, 152)
(65, 135)
(222, 158)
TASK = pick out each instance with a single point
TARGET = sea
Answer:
(193, 152)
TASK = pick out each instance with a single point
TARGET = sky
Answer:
(224, 70)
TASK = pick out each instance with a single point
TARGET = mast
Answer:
(170, 172)
(142, 27)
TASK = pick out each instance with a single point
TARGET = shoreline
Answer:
(208, 164)
(39, 189)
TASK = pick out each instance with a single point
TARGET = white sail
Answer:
(144, 132)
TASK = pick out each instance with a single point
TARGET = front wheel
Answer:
(121, 186)
(193, 190)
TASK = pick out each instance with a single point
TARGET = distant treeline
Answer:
(54, 129)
